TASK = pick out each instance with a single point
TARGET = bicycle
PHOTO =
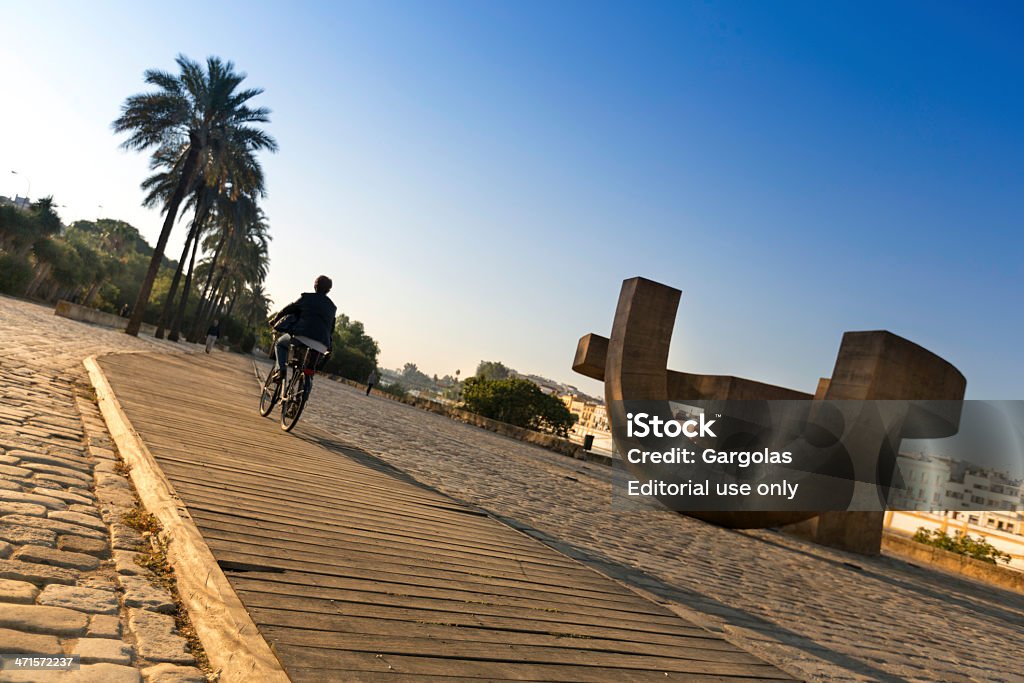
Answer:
(294, 391)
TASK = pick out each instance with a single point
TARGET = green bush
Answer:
(247, 341)
(518, 402)
(961, 544)
(395, 389)
(15, 274)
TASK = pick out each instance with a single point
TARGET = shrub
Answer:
(395, 389)
(15, 274)
(518, 402)
(961, 544)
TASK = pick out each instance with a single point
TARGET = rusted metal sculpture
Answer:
(632, 363)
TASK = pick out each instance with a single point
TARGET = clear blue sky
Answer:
(479, 177)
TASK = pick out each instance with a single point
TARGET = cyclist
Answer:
(314, 323)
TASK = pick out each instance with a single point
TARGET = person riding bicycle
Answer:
(314, 322)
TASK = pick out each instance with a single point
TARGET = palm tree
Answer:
(183, 120)
(243, 261)
(241, 219)
(228, 169)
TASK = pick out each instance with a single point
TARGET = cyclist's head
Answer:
(322, 285)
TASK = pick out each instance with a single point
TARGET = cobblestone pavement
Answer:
(69, 583)
(819, 614)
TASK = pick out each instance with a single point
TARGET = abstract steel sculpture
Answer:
(632, 363)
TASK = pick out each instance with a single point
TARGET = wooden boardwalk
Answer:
(352, 571)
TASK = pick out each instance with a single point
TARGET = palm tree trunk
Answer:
(92, 293)
(203, 303)
(210, 310)
(172, 292)
(231, 307)
(176, 323)
(142, 300)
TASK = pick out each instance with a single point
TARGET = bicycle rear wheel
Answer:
(294, 400)
(270, 394)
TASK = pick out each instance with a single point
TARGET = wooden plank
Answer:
(498, 595)
(303, 534)
(368, 569)
(497, 667)
(285, 625)
(536, 622)
(226, 507)
(397, 643)
(303, 674)
(476, 607)
(392, 553)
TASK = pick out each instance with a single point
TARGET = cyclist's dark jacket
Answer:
(316, 317)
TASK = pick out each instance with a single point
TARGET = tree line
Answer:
(204, 136)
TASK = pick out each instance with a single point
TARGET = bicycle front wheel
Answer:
(294, 400)
(270, 394)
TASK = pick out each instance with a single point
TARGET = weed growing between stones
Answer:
(154, 558)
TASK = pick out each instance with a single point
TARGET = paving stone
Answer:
(50, 502)
(108, 466)
(5, 549)
(71, 496)
(120, 498)
(44, 477)
(103, 581)
(18, 642)
(9, 460)
(85, 509)
(96, 650)
(80, 544)
(38, 574)
(57, 558)
(74, 462)
(6, 485)
(126, 563)
(112, 512)
(55, 525)
(102, 453)
(90, 521)
(14, 471)
(123, 537)
(43, 619)
(30, 509)
(83, 478)
(140, 592)
(114, 481)
(156, 638)
(103, 673)
(81, 599)
(104, 626)
(17, 591)
(173, 673)
(21, 534)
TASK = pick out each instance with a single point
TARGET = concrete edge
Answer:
(233, 643)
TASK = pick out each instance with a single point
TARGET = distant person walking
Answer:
(371, 380)
(212, 335)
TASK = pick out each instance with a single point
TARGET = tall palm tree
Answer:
(244, 260)
(229, 169)
(187, 116)
(241, 218)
